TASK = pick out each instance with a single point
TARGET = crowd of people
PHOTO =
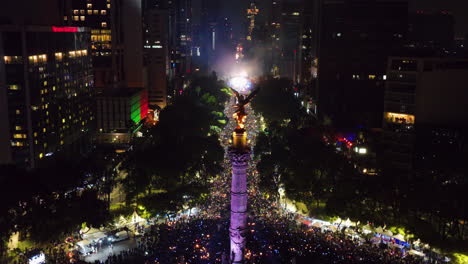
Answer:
(273, 238)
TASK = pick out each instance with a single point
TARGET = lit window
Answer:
(63, 120)
(18, 128)
(19, 136)
(82, 18)
(89, 5)
(58, 56)
(13, 87)
(108, 6)
(76, 12)
(41, 155)
(32, 59)
(76, 18)
(90, 12)
(42, 58)
(103, 12)
(17, 144)
(399, 118)
(44, 130)
(18, 111)
(65, 18)
(385, 77)
(371, 77)
(295, 14)
(82, 12)
(104, 24)
(96, 12)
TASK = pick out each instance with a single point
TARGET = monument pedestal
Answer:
(239, 154)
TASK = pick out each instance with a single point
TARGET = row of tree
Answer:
(183, 152)
(52, 201)
(291, 153)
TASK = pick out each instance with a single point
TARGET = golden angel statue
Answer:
(240, 114)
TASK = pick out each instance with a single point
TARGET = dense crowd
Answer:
(271, 239)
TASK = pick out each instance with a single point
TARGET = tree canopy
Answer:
(184, 151)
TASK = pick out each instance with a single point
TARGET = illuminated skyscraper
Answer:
(47, 97)
(96, 15)
(252, 12)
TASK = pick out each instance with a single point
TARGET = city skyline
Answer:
(234, 132)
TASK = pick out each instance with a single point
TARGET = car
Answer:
(119, 236)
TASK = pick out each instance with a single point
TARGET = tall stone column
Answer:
(239, 154)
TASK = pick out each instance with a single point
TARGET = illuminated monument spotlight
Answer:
(239, 154)
(241, 83)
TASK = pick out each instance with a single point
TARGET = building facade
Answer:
(119, 114)
(157, 55)
(96, 15)
(356, 38)
(424, 102)
(47, 86)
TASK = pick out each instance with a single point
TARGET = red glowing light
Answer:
(64, 29)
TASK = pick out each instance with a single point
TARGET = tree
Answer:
(184, 149)
(276, 101)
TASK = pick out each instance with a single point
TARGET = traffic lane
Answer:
(107, 251)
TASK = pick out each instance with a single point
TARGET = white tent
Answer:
(415, 252)
(136, 218)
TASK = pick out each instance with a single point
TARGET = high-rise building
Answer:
(356, 38)
(431, 30)
(119, 114)
(209, 32)
(291, 41)
(46, 92)
(181, 36)
(96, 15)
(252, 12)
(274, 28)
(310, 41)
(157, 55)
(127, 43)
(424, 101)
